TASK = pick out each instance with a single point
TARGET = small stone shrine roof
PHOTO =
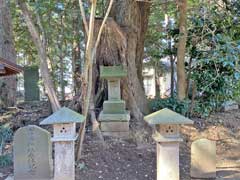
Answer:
(112, 72)
(166, 116)
(63, 116)
(9, 68)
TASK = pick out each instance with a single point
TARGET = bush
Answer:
(5, 135)
(5, 160)
(170, 103)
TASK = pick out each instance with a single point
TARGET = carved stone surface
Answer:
(31, 80)
(114, 92)
(203, 159)
(64, 161)
(32, 153)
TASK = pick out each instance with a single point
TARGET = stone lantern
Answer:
(64, 136)
(114, 118)
(167, 135)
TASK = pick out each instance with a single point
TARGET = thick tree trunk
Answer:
(122, 42)
(7, 85)
(181, 75)
(41, 48)
(132, 17)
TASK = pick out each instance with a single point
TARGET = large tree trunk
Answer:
(7, 85)
(133, 17)
(123, 43)
(41, 48)
(181, 75)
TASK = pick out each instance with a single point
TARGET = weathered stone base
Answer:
(115, 126)
(114, 117)
(124, 135)
(114, 107)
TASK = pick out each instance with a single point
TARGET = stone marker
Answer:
(31, 88)
(64, 136)
(167, 136)
(32, 151)
(114, 117)
(203, 159)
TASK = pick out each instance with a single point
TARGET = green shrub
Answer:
(5, 160)
(170, 103)
(5, 135)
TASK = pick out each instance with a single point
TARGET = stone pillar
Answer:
(31, 80)
(64, 160)
(168, 160)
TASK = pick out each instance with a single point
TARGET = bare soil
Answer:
(125, 160)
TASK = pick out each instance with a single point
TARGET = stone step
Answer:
(114, 107)
(115, 126)
(114, 117)
(122, 135)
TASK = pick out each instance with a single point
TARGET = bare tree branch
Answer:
(83, 16)
(103, 24)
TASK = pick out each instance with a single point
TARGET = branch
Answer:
(103, 24)
(27, 16)
(87, 79)
(83, 16)
(42, 29)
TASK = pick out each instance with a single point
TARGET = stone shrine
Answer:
(32, 153)
(114, 118)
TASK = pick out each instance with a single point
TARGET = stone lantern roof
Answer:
(166, 116)
(9, 68)
(108, 72)
(63, 116)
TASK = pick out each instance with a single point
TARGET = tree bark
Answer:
(8, 85)
(41, 48)
(76, 51)
(122, 42)
(181, 75)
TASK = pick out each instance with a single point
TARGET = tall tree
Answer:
(181, 75)
(122, 43)
(41, 48)
(132, 17)
(7, 51)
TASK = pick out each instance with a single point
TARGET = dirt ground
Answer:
(124, 160)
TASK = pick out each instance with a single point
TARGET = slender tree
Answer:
(40, 44)
(181, 75)
(90, 57)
